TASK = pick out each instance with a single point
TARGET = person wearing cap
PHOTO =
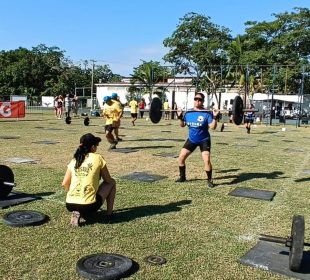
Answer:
(112, 112)
(198, 121)
(117, 122)
(85, 193)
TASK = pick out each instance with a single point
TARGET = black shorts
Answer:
(86, 209)
(248, 120)
(204, 146)
(134, 115)
(109, 127)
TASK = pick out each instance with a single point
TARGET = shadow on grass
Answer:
(149, 147)
(302, 180)
(242, 177)
(154, 140)
(129, 214)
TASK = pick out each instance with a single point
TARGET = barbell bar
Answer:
(156, 110)
(295, 242)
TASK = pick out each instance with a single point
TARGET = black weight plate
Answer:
(86, 121)
(297, 245)
(155, 110)
(6, 175)
(68, 120)
(24, 218)
(237, 110)
(155, 260)
(103, 266)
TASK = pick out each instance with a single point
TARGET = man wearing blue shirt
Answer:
(198, 122)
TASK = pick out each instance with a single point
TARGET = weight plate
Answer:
(86, 121)
(103, 266)
(6, 175)
(155, 260)
(155, 110)
(68, 120)
(24, 218)
(237, 110)
(297, 245)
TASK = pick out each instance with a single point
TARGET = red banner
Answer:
(13, 109)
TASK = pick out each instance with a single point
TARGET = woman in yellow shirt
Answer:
(85, 193)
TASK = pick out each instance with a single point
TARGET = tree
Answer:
(196, 46)
(145, 76)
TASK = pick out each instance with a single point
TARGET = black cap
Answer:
(89, 140)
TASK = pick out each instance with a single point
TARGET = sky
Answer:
(120, 33)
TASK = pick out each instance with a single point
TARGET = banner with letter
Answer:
(13, 109)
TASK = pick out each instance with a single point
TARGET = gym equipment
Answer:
(6, 181)
(156, 110)
(23, 218)
(295, 242)
(155, 260)
(103, 266)
(86, 121)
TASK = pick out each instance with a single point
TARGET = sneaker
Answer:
(75, 219)
(248, 130)
(119, 139)
(113, 146)
(210, 184)
(180, 180)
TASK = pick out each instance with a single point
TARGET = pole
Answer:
(92, 84)
(272, 93)
(301, 95)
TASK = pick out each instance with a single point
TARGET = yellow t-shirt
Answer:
(85, 180)
(166, 105)
(133, 104)
(112, 112)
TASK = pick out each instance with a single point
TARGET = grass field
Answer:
(201, 232)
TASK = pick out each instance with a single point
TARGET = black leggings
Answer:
(86, 209)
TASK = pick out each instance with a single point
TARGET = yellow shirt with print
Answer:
(111, 112)
(85, 180)
(133, 104)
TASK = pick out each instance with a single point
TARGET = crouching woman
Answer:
(85, 193)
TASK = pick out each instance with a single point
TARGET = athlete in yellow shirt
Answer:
(133, 104)
(117, 124)
(112, 112)
(85, 193)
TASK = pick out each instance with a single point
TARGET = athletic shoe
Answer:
(210, 184)
(75, 219)
(113, 146)
(180, 180)
(119, 139)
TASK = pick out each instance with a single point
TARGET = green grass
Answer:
(201, 232)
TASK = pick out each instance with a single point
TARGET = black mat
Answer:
(142, 176)
(263, 141)
(221, 143)
(124, 150)
(169, 155)
(168, 131)
(253, 193)
(9, 137)
(275, 257)
(47, 142)
(15, 198)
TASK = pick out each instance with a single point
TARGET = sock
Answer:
(182, 171)
(209, 175)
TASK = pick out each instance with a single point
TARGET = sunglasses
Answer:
(198, 99)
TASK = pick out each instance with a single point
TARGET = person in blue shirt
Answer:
(249, 119)
(198, 122)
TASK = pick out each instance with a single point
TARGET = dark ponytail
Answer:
(80, 155)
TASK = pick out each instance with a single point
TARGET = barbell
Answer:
(86, 121)
(6, 181)
(295, 242)
(156, 110)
